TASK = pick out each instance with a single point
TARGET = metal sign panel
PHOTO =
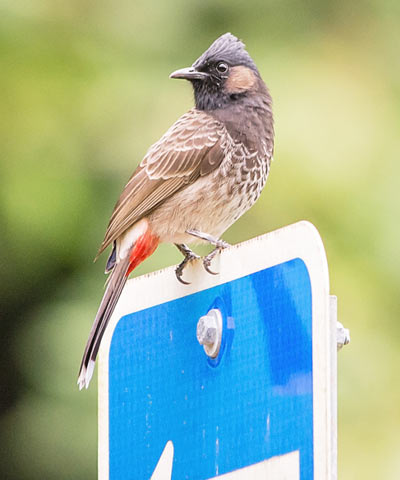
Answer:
(262, 408)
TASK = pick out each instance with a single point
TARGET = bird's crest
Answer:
(227, 48)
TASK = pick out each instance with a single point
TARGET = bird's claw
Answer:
(189, 257)
(207, 260)
(179, 273)
(207, 264)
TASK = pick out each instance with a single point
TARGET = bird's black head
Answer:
(225, 73)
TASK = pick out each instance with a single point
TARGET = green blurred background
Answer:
(85, 90)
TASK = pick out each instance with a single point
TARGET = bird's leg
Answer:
(217, 242)
(189, 256)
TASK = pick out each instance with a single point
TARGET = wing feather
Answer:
(189, 149)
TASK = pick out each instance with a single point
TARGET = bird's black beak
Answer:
(189, 73)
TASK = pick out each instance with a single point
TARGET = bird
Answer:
(205, 172)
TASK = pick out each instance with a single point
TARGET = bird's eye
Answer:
(222, 67)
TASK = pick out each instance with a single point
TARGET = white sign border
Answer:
(299, 240)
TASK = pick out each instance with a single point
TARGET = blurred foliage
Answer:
(85, 91)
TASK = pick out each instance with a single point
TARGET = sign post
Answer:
(262, 407)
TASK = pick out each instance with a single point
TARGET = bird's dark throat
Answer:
(210, 96)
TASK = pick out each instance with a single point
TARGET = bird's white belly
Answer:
(206, 205)
(211, 205)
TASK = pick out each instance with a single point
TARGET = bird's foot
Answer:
(218, 244)
(189, 257)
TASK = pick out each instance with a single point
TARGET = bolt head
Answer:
(209, 332)
(206, 330)
(343, 335)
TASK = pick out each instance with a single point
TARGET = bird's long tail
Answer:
(143, 247)
(115, 284)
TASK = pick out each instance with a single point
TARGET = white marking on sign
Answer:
(282, 467)
(163, 470)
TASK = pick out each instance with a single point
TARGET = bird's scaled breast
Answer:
(246, 170)
(214, 202)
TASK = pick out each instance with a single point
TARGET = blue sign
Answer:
(252, 403)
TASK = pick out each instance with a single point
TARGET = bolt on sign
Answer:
(251, 396)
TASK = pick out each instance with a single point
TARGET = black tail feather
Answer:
(115, 285)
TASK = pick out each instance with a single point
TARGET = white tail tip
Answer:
(86, 375)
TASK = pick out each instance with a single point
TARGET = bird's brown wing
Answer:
(189, 149)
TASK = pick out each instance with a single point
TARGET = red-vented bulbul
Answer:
(197, 180)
